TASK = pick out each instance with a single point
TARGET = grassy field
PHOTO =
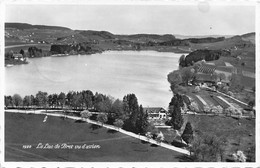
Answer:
(24, 129)
(239, 136)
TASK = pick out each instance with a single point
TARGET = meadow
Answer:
(25, 132)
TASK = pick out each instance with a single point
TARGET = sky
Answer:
(133, 19)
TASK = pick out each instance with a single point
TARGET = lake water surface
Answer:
(114, 73)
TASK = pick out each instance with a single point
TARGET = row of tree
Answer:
(75, 100)
(126, 111)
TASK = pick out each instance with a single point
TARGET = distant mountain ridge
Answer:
(64, 35)
(23, 26)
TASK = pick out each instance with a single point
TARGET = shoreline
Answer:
(101, 51)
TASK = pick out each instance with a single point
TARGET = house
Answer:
(205, 73)
(207, 69)
(203, 79)
(155, 112)
(18, 57)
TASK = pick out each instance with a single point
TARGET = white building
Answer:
(155, 112)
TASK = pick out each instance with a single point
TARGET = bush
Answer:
(149, 135)
(217, 109)
(160, 137)
(207, 109)
(85, 114)
(230, 93)
(196, 89)
(119, 123)
(194, 107)
(102, 118)
(239, 156)
(208, 148)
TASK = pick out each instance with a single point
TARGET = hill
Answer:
(23, 26)
(26, 34)
(249, 37)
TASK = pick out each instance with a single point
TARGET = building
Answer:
(18, 57)
(155, 112)
(205, 73)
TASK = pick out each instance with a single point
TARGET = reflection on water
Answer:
(116, 73)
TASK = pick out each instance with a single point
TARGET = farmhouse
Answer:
(205, 73)
(18, 57)
(155, 112)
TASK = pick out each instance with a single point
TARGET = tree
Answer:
(88, 97)
(102, 118)
(142, 121)
(174, 78)
(102, 103)
(187, 134)
(207, 148)
(239, 156)
(22, 52)
(119, 123)
(69, 97)
(50, 100)
(77, 100)
(17, 100)
(131, 109)
(175, 111)
(221, 77)
(8, 101)
(182, 62)
(55, 100)
(27, 101)
(85, 114)
(187, 75)
(117, 109)
(251, 103)
(160, 137)
(34, 101)
(9, 55)
(42, 99)
(62, 99)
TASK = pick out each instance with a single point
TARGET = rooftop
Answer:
(154, 109)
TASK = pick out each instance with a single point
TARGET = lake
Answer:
(114, 73)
